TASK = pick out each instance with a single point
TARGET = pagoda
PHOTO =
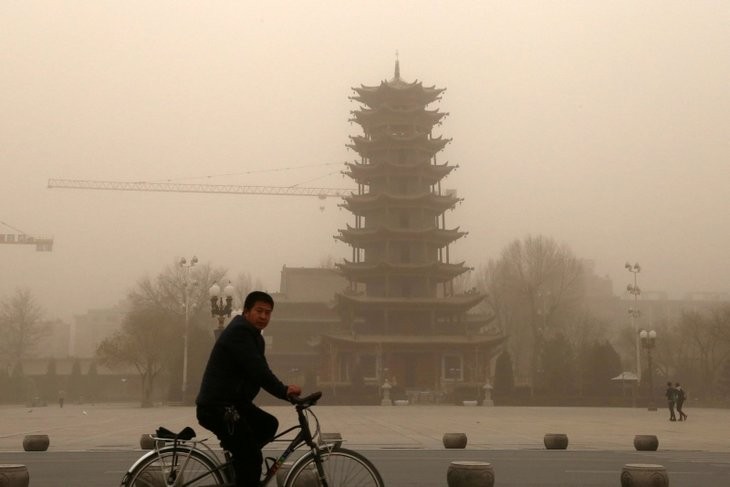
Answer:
(402, 320)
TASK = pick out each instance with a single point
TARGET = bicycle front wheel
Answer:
(342, 468)
(185, 468)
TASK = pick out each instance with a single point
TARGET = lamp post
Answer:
(634, 311)
(217, 307)
(186, 296)
(648, 339)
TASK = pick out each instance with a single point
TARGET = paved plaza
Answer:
(119, 426)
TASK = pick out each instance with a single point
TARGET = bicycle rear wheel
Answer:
(185, 468)
(342, 468)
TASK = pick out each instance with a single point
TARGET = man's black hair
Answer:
(255, 297)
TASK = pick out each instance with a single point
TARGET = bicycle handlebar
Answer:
(306, 401)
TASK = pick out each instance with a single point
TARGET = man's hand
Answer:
(293, 390)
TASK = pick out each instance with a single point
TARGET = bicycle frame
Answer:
(185, 448)
(303, 437)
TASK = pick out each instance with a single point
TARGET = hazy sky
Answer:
(601, 124)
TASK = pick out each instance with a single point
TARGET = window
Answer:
(369, 366)
(452, 367)
(343, 366)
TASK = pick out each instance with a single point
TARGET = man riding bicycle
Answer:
(237, 370)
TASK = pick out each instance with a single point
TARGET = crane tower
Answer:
(19, 237)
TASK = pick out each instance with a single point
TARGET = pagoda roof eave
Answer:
(418, 197)
(439, 270)
(417, 138)
(458, 302)
(433, 234)
(435, 172)
(396, 88)
(387, 114)
(427, 201)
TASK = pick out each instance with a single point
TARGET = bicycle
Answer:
(188, 462)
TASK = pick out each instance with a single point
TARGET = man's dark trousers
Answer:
(244, 440)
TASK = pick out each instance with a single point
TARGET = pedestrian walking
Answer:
(671, 395)
(681, 397)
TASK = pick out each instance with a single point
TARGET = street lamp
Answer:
(186, 295)
(634, 311)
(648, 339)
(217, 307)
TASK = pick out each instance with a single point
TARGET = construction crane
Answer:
(19, 237)
(320, 193)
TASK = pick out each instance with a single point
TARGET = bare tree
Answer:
(170, 288)
(141, 343)
(721, 324)
(242, 285)
(531, 288)
(706, 352)
(327, 262)
(150, 339)
(20, 326)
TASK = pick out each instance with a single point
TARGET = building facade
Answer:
(400, 317)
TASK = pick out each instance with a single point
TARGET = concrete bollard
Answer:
(556, 441)
(646, 442)
(470, 474)
(644, 475)
(14, 475)
(454, 440)
(36, 443)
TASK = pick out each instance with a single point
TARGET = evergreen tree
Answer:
(50, 384)
(723, 380)
(75, 382)
(504, 379)
(17, 378)
(557, 371)
(92, 382)
(5, 389)
(600, 365)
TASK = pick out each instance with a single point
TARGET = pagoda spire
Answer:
(396, 75)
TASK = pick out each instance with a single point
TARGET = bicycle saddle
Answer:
(187, 433)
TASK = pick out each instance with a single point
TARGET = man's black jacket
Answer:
(237, 368)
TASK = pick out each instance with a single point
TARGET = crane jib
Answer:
(198, 188)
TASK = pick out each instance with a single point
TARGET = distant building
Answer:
(55, 343)
(90, 329)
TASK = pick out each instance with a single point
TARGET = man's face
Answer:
(259, 314)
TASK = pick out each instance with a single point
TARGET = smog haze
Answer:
(603, 125)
